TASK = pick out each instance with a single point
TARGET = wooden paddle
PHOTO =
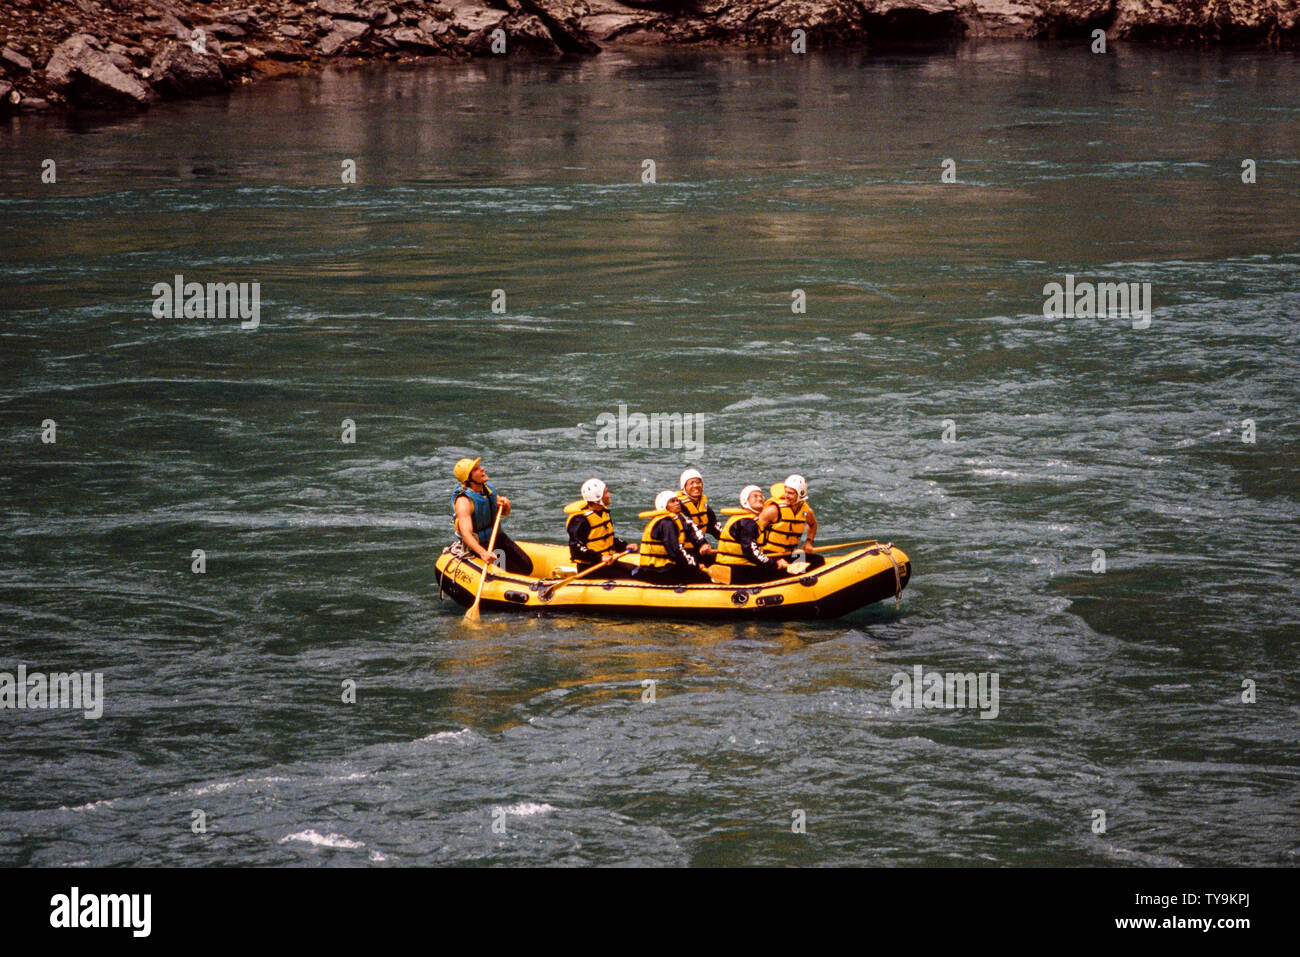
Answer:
(472, 614)
(545, 593)
(721, 574)
(818, 549)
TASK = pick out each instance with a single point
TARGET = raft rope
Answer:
(451, 568)
(898, 574)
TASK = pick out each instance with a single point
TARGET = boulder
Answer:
(469, 18)
(524, 31)
(15, 62)
(351, 29)
(344, 32)
(914, 20)
(167, 24)
(242, 17)
(87, 77)
(342, 8)
(286, 51)
(331, 43)
(564, 20)
(225, 31)
(1196, 21)
(179, 70)
(412, 39)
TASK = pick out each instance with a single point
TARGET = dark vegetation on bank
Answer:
(123, 54)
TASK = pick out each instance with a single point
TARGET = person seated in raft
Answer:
(785, 517)
(696, 505)
(740, 543)
(591, 532)
(670, 545)
(474, 512)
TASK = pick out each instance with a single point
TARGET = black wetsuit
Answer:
(764, 567)
(711, 527)
(517, 560)
(583, 557)
(685, 568)
(711, 524)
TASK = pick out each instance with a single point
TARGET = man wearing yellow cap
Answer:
(474, 508)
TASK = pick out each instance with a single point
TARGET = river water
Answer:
(923, 393)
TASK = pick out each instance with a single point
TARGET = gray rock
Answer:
(241, 17)
(286, 51)
(289, 30)
(342, 8)
(34, 104)
(528, 32)
(331, 43)
(412, 39)
(15, 62)
(226, 31)
(168, 24)
(87, 77)
(351, 29)
(178, 70)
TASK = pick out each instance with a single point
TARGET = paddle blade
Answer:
(472, 614)
(796, 568)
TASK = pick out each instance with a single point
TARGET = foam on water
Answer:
(317, 839)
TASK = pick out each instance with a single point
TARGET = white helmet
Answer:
(797, 483)
(687, 476)
(662, 500)
(746, 492)
(593, 490)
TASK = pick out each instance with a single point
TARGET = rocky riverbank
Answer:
(123, 54)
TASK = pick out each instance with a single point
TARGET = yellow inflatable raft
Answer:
(848, 581)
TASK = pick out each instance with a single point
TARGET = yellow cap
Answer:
(464, 468)
(778, 491)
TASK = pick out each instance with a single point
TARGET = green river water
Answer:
(1119, 690)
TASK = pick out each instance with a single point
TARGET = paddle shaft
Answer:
(473, 614)
(549, 589)
(817, 549)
